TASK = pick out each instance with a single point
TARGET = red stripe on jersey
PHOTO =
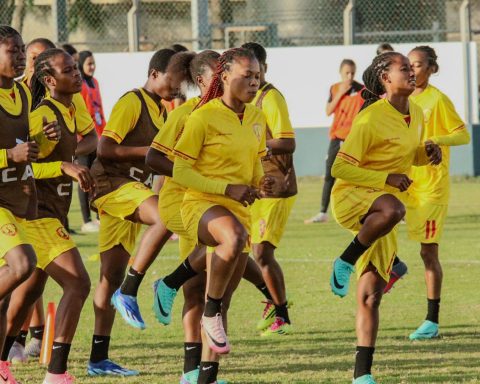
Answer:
(427, 230)
(434, 228)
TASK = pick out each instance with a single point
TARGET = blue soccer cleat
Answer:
(340, 278)
(192, 378)
(127, 306)
(163, 298)
(365, 379)
(108, 367)
(428, 330)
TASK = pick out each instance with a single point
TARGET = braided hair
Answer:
(431, 56)
(225, 62)
(43, 68)
(372, 77)
(7, 32)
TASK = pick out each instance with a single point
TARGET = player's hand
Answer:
(242, 193)
(400, 181)
(434, 152)
(79, 173)
(267, 185)
(51, 130)
(345, 86)
(23, 153)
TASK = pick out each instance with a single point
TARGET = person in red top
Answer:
(344, 103)
(91, 94)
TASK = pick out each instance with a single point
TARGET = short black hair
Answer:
(6, 32)
(347, 62)
(179, 48)
(69, 48)
(384, 47)
(42, 40)
(431, 56)
(258, 50)
(160, 59)
(202, 61)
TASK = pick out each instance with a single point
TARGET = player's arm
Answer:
(275, 109)
(123, 119)
(159, 162)
(87, 144)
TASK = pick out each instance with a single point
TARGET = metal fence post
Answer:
(133, 27)
(348, 23)
(59, 16)
(200, 27)
(465, 32)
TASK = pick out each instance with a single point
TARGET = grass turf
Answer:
(321, 346)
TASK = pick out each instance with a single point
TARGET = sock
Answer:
(363, 361)
(99, 350)
(22, 337)
(208, 372)
(182, 274)
(353, 252)
(132, 282)
(212, 306)
(265, 292)
(58, 361)
(396, 260)
(9, 340)
(193, 356)
(433, 309)
(282, 311)
(37, 332)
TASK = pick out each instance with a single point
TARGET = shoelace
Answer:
(268, 305)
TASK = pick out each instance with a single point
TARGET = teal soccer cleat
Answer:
(428, 330)
(365, 379)
(340, 278)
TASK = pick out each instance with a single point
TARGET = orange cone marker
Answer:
(48, 336)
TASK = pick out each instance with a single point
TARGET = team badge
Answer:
(62, 233)
(9, 229)
(257, 129)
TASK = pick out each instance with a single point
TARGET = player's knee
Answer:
(394, 213)
(23, 267)
(236, 239)
(373, 300)
(82, 288)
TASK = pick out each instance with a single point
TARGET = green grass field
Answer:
(321, 347)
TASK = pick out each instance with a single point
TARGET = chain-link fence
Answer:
(118, 25)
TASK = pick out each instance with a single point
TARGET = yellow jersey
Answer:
(220, 146)
(381, 142)
(444, 127)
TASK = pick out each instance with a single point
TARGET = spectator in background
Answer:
(384, 47)
(344, 103)
(91, 95)
(71, 50)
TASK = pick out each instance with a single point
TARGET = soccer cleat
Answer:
(127, 306)
(17, 353)
(33, 347)
(215, 333)
(321, 217)
(192, 378)
(268, 315)
(428, 330)
(163, 301)
(6, 376)
(279, 327)
(365, 379)
(398, 271)
(90, 227)
(340, 278)
(108, 367)
(61, 378)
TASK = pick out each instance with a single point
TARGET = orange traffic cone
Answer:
(48, 335)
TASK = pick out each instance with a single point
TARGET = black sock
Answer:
(37, 332)
(212, 307)
(363, 361)
(193, 355)
(22, 337)
(99, 350)
(132, 282)
(180, 276)
(282, 311)
(353, 252)
(396, 260)
(265, 292)
(208, 372)
(433, 309)
(58, 361)
(9, 340)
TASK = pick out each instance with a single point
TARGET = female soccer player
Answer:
(218, 160)
(372, 168)
(429, 193)
(125, 202)
(56, 253)
(344, 103)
